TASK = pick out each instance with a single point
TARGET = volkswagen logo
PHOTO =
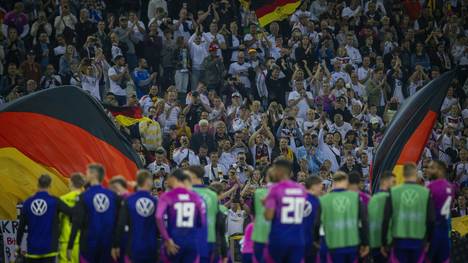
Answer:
(307, 208)
(39, 207)
(101, 203)
(340, 203)
(144, 207)
(409, 197)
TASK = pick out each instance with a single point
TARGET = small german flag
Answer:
(125, 115)
(56, 131)
(407, 135)
(268, 11)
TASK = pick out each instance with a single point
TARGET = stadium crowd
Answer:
(317, 89)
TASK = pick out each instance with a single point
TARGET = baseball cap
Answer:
(195, 93)
(235, 94)
(252, 50)
(31, 52)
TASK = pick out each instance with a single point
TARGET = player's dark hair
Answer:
(386, 175)
(283, 164)
(441, 165)
(354, 177)
(44, 181)
(179, 175)
(142, 176)
(99, 169)
(409, 169)
(312, 180)
(118, 179)
(197, 170)
(77, 180)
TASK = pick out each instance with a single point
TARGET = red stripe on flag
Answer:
(416, 143)
(61, 145)
(264, 10)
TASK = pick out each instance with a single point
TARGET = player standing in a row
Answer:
(207, 237)
(314, 190)
(442, 194)
(95, 216)
(138, 213)
(40, 215)
(284, 207)
(411, 212)
(376, 212)
(261, 229)
(343, 217)
(77, 183)
(185, 216)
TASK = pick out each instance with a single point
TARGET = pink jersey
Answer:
(288, 199)
(442, 194)
(247, 247)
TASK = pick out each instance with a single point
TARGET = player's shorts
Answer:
(323, 254)
(439, 250)
(247, 258)
(259, 252)
(343, 255)
(129, 260)
(40, 260)
(407, 255)
(310, 253)
(377, 255)
(186, 254)
(285, 253)
(96, 255)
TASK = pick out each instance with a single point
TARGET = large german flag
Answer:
(405, 138)
(268, 11)
(56, 131)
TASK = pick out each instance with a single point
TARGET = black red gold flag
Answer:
(125, 115)
(56, 131)
(407, 134)
(268, 11)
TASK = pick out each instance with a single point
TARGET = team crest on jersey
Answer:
(409, 197)
(101, 203)
(307, 209)
(39, 207)
(340, 204)
(144, 207)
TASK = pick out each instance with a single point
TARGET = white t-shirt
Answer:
(343, 129)
(171, 119)
(235, 43)
(115, 86)
(208, 36)
(179, 32)
(154, 167)
(91, 85)
(241, 70)
(249, 37)
(213, 173)
(302, 105)
(181, 154)
(363, 73)
(354, 54)
(235, 222)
